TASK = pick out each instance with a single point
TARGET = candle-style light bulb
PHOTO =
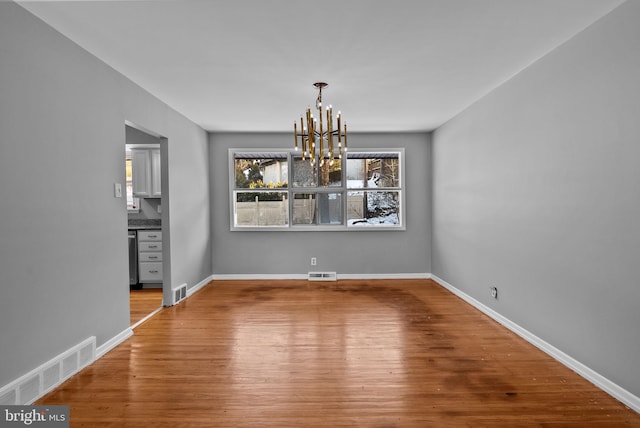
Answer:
(345, 137)
(340, 145)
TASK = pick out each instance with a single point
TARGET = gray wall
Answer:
(135, 136)
(368, 252)
(63, 245)
(535, 191)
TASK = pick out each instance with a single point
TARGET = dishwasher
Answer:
(133, 259)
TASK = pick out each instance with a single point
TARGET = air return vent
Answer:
(69, 365)
(179, 293)
(33, 385)
(51, 377)
(86, 354)
(8, 398)
(323, 276)
(30, 389)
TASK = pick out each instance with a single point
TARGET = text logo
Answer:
(34, 416)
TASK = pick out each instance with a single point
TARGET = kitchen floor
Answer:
(143, 302)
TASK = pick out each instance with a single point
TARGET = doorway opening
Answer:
(147, 193)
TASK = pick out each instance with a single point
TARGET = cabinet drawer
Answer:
(149, 246)
(150, 235)
(150, 272)
(150, 257)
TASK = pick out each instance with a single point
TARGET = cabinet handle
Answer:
(153, 236)
(153, 246)
(153, 271)
(153, 257)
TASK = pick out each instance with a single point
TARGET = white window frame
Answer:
(133, 203)
(344, 189)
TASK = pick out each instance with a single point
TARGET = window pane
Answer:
(317, 208)
(261, 209)
(304, 174)
(331, 173)
(132, 203)
(330, 208)
(371, 208)
(304, 208)
(370, 170)
(259, 173)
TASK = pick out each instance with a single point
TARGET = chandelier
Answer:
(318, 138)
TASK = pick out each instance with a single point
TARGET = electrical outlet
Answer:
(494, 292)
(314, 261)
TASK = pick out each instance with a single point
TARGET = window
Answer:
(133, 204)
(361, 192)
(373, 182)
(258, 200)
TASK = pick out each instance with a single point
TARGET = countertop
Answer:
(140, 224)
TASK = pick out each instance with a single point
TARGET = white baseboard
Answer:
(144, 319)
(592, 376)
(199, 285)
(257, 277)
(249, 277)
(385, 276)
(113, 342)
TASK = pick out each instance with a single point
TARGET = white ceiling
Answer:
(250, 65)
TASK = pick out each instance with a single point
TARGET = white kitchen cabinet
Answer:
(156, 187)
(146, 173)
(149, 256)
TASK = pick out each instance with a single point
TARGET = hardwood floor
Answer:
(401, 353)
(143, 302)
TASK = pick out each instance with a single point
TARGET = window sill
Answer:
(319, 228)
